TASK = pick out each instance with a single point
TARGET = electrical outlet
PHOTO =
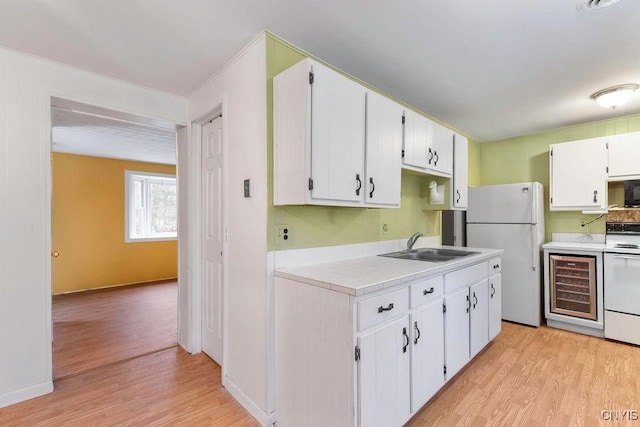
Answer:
(283, 235)
(385, 228)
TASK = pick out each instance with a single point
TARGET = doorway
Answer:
(114, 239)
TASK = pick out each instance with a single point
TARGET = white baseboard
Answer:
(25, 393)
(264, 419)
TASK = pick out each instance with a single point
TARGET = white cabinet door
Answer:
(460, 182)
(624, 156)
(495, 305)
(427, 353)
(456, 331)
(384, 375)
(418, 137)
(479, 317)
(442, 160)
(337, 136)
(578, 175)
(383, 151)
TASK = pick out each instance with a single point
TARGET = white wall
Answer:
(241, 87)
(26, 85)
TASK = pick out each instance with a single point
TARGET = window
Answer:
(151, 207)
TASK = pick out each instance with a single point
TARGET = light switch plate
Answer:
(247, 188)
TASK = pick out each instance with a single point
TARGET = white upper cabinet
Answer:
(335, 143)
(319, 126)
(418, 138)
(428, 146)
(624, 157)
(460, 182)
(578, 172)
(383, 151)
(442, 159)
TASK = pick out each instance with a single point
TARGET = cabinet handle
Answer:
(430, 156)
(475, 300)
(493, 290)
(406, 343)
(459, 196)
(496, 266)
(595, 196)
(468, 303)
(373, 187)
(415, 325)
(428, 291)
(435, 153)
(359, 184)
(387, 308)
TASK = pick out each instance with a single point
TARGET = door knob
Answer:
(55, 254)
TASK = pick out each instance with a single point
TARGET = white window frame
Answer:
(129, 174)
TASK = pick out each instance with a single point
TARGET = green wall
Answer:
(519, 159)
(313, 226)
(526, 158)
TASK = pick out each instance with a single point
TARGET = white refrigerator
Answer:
(511, 217)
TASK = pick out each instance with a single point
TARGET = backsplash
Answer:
(578, 237)
(624, 216)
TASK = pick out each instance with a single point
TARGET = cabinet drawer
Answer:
(379, 308)
(464, 277)
(494, 266)
(426, 290)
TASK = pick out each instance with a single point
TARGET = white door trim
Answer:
(47, 177)
(195, 231)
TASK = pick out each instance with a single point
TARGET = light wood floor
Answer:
(540, 376)
(526, 377)
(170, 387)
(97, 328)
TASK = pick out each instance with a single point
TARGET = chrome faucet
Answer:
(412, 240)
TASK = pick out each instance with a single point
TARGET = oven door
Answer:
(622, 283)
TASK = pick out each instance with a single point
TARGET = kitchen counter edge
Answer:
(360, 276)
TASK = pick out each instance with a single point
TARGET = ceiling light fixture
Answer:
(595, 4)
(614, 96)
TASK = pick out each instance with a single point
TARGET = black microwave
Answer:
(632, 194)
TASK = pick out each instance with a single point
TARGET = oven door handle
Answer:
(634, 257)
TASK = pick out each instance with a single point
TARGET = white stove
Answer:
(623, 237)
(622, 282)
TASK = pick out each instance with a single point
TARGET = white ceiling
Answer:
(90, 134)
(491, 69)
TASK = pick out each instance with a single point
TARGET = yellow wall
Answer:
(313, 226)
(526, 158)
(88, 227)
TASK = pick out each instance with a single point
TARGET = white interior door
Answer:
(212, 238)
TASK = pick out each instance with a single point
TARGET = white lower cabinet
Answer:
(478, 317)
(427, 339)
(456, 331)
(375, 360)
(495, 305)
(384, 375)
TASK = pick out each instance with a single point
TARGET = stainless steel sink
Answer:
(429, 254)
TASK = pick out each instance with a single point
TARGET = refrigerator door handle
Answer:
(534, 248)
